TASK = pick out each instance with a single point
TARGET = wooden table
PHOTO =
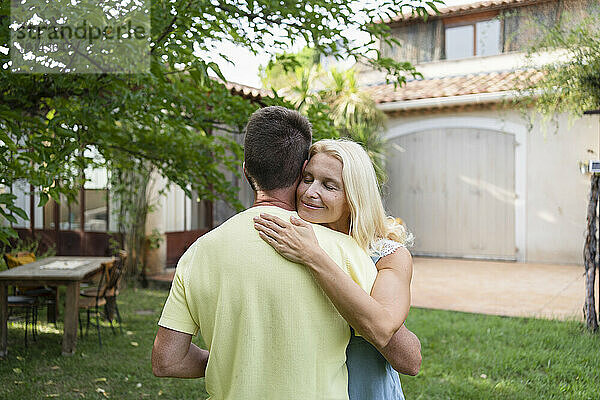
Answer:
(33, 274)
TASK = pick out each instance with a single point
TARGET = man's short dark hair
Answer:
(276, 146)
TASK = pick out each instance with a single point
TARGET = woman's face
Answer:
(320, 196)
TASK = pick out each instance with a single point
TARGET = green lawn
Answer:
(465, 356)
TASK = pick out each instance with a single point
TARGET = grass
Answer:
(471, 356)
(465, 356)
(120, 370)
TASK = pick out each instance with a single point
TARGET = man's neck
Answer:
(283, 198)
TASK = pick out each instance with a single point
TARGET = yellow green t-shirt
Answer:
(271, 331)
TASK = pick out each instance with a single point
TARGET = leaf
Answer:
(17, 370)
(43, 199)
(20, 212)
(215, 67)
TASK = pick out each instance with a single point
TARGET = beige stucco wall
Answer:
(555, 190)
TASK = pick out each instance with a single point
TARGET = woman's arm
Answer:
(377, 317)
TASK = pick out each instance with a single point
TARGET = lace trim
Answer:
(384, 247)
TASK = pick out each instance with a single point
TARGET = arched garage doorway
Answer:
(457, 182)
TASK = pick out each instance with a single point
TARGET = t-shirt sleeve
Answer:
(176, 313)
(358, 265)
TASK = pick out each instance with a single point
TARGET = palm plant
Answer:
(356, 115)
(351, 110)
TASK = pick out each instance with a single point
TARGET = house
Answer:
(470, 174)
(85, 227)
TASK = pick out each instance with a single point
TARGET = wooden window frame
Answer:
(472, 20)
(56, 214)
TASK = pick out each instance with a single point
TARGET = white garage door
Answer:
(455, 189)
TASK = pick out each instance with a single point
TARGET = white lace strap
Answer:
(384, 247)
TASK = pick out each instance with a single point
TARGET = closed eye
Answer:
(307, 179)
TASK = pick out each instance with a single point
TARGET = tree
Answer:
(572, 84)
(164, 119)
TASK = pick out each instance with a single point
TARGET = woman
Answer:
(339, 190)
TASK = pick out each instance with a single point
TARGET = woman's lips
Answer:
(311, 206)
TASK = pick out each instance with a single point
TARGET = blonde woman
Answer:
(339, 190)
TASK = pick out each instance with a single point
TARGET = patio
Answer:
(499, 288)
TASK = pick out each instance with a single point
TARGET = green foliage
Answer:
(351, 112)
(163, 120)
(130, 188)
(154, 239)
(28, 245)
(281, 71)
(571, 83)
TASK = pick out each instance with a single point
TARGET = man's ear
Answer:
(245, 171)
(304, 166)
(301, 173)
(247, 176)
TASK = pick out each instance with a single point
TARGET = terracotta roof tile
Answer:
(247, 91)
(453, 86)
(465, 9)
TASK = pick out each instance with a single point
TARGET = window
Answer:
(49, 214)
(68, 215)
(459, 42)
(95, 197)
(475, 39)
(95, 194)
(96, 210)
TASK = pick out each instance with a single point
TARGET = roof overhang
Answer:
(451, 101)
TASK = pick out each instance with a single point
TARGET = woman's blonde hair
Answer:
(368, 221)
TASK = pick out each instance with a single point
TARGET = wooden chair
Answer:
(112, 290)
(90, 286)
(105, 294)
(91, 302)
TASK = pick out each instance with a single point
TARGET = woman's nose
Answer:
(311, 192)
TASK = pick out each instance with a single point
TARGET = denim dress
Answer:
(370, 376)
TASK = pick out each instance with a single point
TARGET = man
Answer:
(271, 331)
